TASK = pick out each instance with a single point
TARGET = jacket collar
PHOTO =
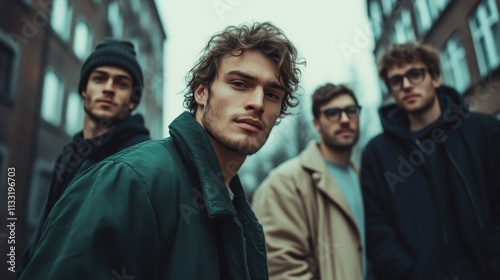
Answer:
(192, 138)
(312, 159)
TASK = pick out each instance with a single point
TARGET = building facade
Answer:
(467, 33)
(43, 44)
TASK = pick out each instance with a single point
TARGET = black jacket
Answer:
(78, 156)
(432, 197)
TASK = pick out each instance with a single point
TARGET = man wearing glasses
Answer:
(431, 180)
(311, 206)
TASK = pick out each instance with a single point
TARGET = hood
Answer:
(395, 121)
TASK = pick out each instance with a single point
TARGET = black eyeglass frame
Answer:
(339, 111)
(421, 70)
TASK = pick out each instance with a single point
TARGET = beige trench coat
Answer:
(309, 228)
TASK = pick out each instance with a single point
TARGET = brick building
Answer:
(43, 44)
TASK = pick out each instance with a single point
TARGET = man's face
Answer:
(242, 105)
(415, 98)
(338, 134)
(108, 94)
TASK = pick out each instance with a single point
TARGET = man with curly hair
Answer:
(175, 208)
(430, 181)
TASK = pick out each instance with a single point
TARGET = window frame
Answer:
(451, 65)
(89, 42)
(60, 97)
(10, 94)
(65, 32)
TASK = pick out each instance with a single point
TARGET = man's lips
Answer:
(250, 124)
(106, 102)
(344, 132)
(410, 97)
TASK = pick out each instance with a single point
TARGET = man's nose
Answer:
(405, 83)
(255, 100)
(109, 85)
(344, 117)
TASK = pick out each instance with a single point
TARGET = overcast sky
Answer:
(332, 35)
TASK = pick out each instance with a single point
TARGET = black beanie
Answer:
(118, 53)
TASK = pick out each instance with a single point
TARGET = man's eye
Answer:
(239, 84)
(273, 95)
(98, 78)
(395, 80)
(351, 110)
(414, 74)
(332, 112)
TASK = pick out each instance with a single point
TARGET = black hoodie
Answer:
(432, 197)
(77, 157)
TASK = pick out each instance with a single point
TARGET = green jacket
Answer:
(158, 210)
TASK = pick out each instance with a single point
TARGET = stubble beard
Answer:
(122, 114)
(426, 107)
(211, 116)
(338, 146)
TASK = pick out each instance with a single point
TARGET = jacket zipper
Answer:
(467, 188)
(247, 272)
(469, 194)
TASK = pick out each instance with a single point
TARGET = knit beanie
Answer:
(118, 53)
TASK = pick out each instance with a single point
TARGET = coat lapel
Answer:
(322, 179)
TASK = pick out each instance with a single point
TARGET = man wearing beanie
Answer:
(111, 84)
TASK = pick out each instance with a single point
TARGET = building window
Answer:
(136, 6)
(403, 29)
(388, 5)
(115, 18)
(144, 19)
(485, 29)
(53, 90)
(82, 42)
(8, 64)
(42, 175)
(376, 18)
(427, 12)
(74, 113)
(455, 67)
(60, 18)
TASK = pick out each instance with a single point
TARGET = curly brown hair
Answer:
(399, 54)
(267, 38)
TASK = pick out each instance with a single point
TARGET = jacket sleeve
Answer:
(493, 180)
(388, 257)
(103, 227)
(280, 210)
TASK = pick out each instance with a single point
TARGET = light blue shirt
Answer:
(348, 181)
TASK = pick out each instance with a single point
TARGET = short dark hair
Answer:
(234, 40)
(327, 92)
(400, 54)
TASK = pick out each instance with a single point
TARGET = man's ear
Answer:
(83, 93)
(131, 106)
(201, 95)
(436, 82)
(316, 124)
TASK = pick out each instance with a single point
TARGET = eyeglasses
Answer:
(414, 75)
(334, 113)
